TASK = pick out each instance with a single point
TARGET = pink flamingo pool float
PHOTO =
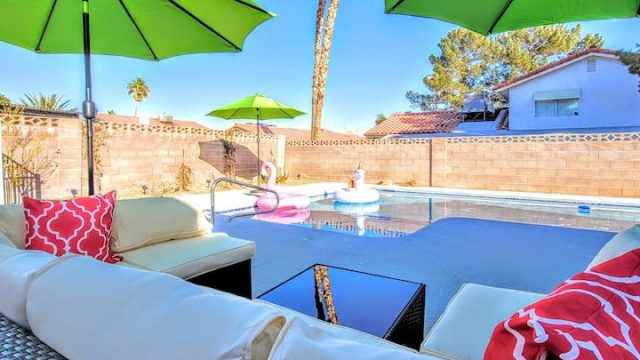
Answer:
(288, 201)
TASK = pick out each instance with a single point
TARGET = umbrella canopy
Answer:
(144, 29)
(494, 16)
(257, 107)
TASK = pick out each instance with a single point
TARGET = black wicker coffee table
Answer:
(385, 307)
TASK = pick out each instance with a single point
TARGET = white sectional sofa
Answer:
(168, 235)
(475, 310)
(85, 309)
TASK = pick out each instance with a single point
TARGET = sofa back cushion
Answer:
(4, 240)
(309, 339)
(146, 221)
(105, 311)
(623, 242)
(16, 268)
(13, 224)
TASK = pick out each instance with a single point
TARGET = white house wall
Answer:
(609, 97)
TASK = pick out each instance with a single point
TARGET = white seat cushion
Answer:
(13, 224)
(187, 258)
(620, 244)
(464, 329)
(16, 268)
(86, 309)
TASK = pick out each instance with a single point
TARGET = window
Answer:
(558, 107)
(592, 65)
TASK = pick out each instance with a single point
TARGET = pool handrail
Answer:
(219, 180)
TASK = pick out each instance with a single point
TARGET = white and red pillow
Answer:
(80, 226)
(593, 315)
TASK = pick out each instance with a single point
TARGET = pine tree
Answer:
(470, 62)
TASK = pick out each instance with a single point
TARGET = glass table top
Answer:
(362, 301)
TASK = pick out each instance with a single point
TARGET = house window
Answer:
(557, 107)
(592, 65)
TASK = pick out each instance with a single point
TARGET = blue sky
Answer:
(375, 59)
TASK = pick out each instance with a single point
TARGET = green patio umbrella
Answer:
(257, 107)
(144, 29)
(494, 16)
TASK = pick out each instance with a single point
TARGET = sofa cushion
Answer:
(146, 221)
(464, 329)
(4, 240)
(623, 242)
(104, 311)
(16, 268)
(311, 339)
(187, 258)
(593, 315)
(13, 224)
(79, 226)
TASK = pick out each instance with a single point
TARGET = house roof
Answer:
(555, 66)
(125, 119)
(416, 123)
(295, 134)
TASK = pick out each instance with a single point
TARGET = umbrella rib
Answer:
(199, 21)
(124, 7)
(46, 25)
(393, 8)
(254, 7)
(497, 20)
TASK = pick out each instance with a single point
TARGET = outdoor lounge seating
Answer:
(475, 310)
(167, 235)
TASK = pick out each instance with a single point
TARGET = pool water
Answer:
(400, 213)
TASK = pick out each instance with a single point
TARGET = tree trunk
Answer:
(324, 37)
(135, 109)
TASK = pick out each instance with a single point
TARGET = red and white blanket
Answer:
(593, 315)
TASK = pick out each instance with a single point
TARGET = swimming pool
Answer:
(399, 213)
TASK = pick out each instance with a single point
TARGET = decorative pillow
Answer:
(593, 315)
(6, 242)
(620, 244)
(80, 226)
(152, 220)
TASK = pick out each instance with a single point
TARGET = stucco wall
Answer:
(609, 97)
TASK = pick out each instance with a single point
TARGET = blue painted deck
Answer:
(444, 255)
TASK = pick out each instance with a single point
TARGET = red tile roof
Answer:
(295, 134)
(416, 123)
(126, 119)
(578, 55)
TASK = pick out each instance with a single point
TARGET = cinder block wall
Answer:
(400, 161)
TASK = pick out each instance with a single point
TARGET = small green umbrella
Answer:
(257, 107)
(144, 29)
(494, 16)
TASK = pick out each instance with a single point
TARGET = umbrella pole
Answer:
(88, 106)
(258, 128)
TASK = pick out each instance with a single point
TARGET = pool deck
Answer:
(444, 255)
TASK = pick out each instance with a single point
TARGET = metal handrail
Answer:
(219, 180)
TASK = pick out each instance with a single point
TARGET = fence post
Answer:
(2, 198)
(281, 150)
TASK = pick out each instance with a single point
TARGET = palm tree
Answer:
(139, 90)
(48, 102)
(324, 37)
(4, 100)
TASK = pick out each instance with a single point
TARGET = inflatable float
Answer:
(357, 192)
(285, 217)
(288, 201)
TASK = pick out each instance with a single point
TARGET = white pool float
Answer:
(360, 194)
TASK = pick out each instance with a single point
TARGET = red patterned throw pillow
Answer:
(593, 315)
(80, 226)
